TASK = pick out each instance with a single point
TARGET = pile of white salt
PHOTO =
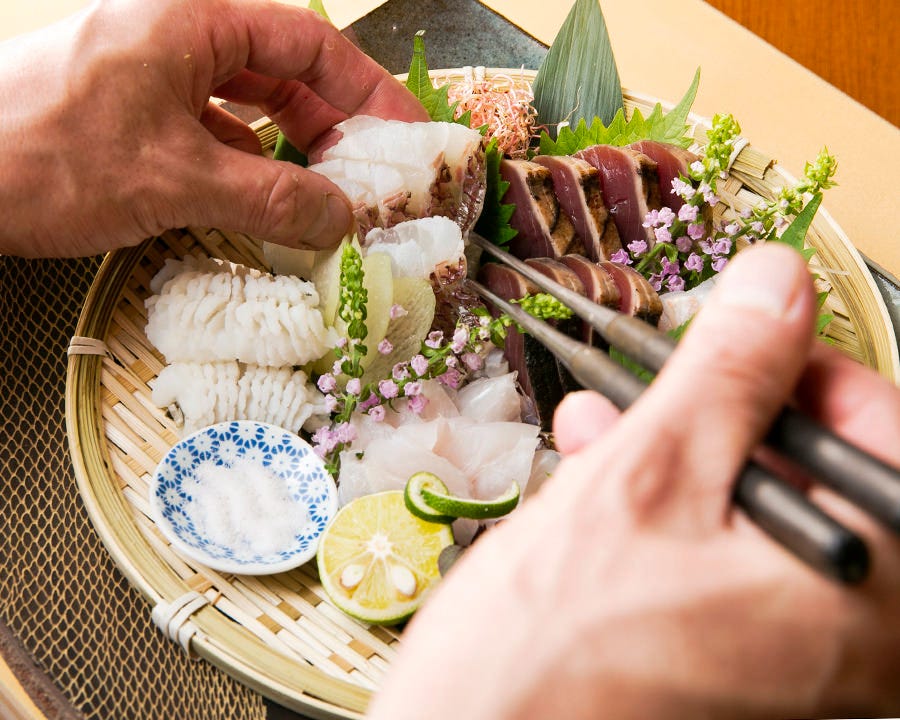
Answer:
(244, 506)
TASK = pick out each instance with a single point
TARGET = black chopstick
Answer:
(774, 505)
(869, 483)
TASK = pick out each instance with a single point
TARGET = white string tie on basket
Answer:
(174, 619)
(739, 144)
(80, 345)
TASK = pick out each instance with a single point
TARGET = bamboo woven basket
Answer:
(279, 634)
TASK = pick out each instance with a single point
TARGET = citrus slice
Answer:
(377, 561)
(456, 507)
(412, 496)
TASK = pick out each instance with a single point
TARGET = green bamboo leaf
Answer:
(795, 235)
(578, 78)
(669, 128)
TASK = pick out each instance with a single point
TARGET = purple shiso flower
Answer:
(719, 263)
(417, 404)
(412, 389)
(675, 283)
(722, 246)
(684, 244)
(369, 402)
(637, 247)
(354, 386)
(669, 267)
(694, 263)
(326, 383)
(419, 365)
(663, 235)
(452, 378)
(397, 311)
(331, 403)
(377, 413)
(385, 347)
(621, 257)
(688, 213)
(683, 189)
(696, 230)
(400, 371)
(460, 338)
(473, 361)
(434, 339)
(336, 368)
(651, 219)
(388, 389)
(666, 216)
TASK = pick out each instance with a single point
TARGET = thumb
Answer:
(271, 200)
(733, 371)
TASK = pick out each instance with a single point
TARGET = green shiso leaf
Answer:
(319, 7)
(433, 99)
(285, 151)
(493, 223)
(669, 128)
(578, 78)
(672, 127)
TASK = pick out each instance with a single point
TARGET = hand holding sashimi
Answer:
(108, 135)
(629, 586)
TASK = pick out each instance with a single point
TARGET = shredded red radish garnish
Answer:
(502, 103)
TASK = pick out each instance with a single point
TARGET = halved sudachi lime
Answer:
(377, 561)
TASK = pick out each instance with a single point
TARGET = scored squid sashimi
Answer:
(394, 171)
(578, 189)
(544, 230)
(638, 296)
(672, 162)
(630, 188)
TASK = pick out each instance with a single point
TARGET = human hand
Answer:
(630, 587)
(108, 135)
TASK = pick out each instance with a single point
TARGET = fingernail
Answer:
(766, 280)
(331, 224)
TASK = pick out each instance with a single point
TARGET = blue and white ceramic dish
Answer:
(278, 452)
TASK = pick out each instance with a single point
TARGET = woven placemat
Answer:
(60, 593)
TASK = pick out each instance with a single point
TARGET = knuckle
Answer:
(279, 214)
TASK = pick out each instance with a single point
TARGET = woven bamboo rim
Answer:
(279, 634)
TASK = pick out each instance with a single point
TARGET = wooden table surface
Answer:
(852, 45)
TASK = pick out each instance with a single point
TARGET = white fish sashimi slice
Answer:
(680, 306)
(542, 467)
(387, 465)
(490, 399)
(417, 247)
(442, 166)
(393, 142)
(491, 455)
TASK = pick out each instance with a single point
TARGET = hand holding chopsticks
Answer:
(776, 506)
